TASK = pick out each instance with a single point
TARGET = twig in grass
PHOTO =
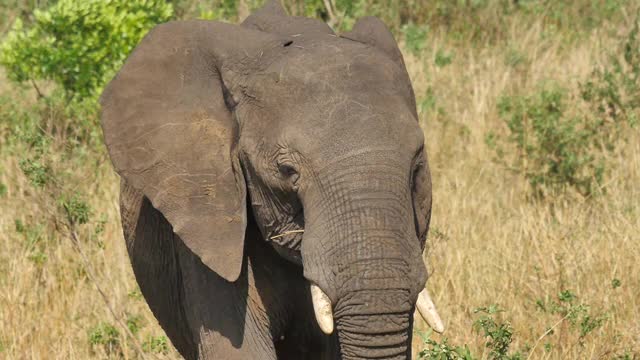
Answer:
(545, 334)
(35, 86)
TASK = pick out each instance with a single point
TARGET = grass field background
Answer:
(551, 258)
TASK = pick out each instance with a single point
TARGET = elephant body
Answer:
(275, 192)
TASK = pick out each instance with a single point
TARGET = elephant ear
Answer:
(272, 18)
(171, 136)
(372, 31)
(271, 9)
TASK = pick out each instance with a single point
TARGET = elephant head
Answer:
(313, 135)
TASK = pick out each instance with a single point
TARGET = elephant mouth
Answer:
(287, 239)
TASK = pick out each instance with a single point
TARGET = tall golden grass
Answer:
(490, 243)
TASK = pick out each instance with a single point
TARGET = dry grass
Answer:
(489, 242)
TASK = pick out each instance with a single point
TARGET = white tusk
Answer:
(322, 309)
(427, 309)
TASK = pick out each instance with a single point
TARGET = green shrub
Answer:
(135, 323)
(106, 336)
(36, 171)
(443, 350)
(76, 209)
(34, 244)
(498, 337)
(135, 294)
(415, 37)
(616, 283)
(627, 355)
(553, 150)
(79, 44)
(578, 314)
(156, 344)
(33, 234)
(613, 92)
(443, 58)
(22, 126)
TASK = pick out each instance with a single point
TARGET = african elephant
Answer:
(274, 186)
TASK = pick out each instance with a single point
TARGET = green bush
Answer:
(553, 150)
(36, 171)
(156, 344)
(76, 209)
(415, 37)
(498, 337)
(107, 336)
(443, 350)
(443, 58)
(614, 91)
(79, 44)
(135, 323)
(579, 315)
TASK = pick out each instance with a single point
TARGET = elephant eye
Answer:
(288, 172)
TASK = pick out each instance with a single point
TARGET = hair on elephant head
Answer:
(309, 137)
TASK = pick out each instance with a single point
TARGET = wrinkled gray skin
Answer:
(229, 137)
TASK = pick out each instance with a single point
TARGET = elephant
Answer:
(275, 194)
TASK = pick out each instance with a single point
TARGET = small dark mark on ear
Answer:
(288, 43)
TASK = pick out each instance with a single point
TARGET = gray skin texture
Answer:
(228, 139)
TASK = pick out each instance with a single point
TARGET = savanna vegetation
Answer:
(531, 112)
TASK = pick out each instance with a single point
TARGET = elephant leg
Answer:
(284, 293)
(151, 245)
(226, 318)
(303, 338)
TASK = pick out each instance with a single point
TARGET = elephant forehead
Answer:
(350, 128)
(336, 95)
(333, 64)
(358, 114)
(341, 122)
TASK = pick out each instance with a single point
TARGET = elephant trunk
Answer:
(374, 316)
(370, 325)
(362, 256)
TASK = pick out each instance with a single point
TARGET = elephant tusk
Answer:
(428, 311)
(322, 309)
